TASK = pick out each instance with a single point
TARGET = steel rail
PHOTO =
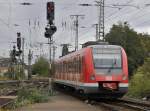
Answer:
(144, 106)
(125, 104)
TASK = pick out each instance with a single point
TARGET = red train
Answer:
(97, 70)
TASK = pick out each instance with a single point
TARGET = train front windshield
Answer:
(107, 60)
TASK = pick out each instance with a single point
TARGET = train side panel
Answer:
(77, 70)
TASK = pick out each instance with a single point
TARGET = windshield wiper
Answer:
(112, 67)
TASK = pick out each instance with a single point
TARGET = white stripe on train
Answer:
(123, 85)
(85, 84)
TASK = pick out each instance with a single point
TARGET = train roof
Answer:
(106, 46)
(89, 43)
(99, 44)
(81, 51)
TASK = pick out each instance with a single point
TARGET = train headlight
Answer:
(124, 77)
(92, 77)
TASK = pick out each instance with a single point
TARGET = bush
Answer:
(140, 82)
(30, 96)
(130, 40)
(41, 67)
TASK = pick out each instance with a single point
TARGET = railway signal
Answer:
(50, 30)
(50, 12)
(19, 41)
(14, 54)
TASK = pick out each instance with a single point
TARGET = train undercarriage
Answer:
(96, 92)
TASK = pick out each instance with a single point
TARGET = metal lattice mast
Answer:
(101, 21)
(97, 31)
(77, 29)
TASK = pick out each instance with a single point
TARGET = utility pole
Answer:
(23, 54)
(77, 29)
(54, 52)
(101, 5)
(29, 64)
(65, 49)
(97, 32)
(101, 21)
(50, 29)
(18, 53)
(14, 61)
(41, 49)
(50, 52)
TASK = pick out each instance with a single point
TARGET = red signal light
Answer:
(50, 7)
(50, 11)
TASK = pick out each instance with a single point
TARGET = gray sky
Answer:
(15, 17)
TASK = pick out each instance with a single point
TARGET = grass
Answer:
(30, 96)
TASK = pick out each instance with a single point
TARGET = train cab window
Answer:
(107, 60)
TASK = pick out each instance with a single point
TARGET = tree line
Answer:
(136, 45)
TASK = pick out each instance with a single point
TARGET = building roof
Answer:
(4, 62)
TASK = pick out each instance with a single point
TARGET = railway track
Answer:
(15, 82)
(9, 95)
(113, 105)
(138, 105)
(6, 100)
(123, 105)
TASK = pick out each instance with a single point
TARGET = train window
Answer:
(106, 50)
(107, 58)
(75, 66)
(64, 67)
(61, 68)
(78, 62)
(80, 65)
(57, 68)
(69, 67)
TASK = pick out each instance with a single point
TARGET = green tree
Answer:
(41, 67)
(145, 40)
(140, 82)
(129, 39)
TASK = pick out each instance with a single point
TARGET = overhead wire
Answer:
(130, 1)
(117, 16)
(110, 19)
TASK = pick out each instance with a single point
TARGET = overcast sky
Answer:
(15, 17)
